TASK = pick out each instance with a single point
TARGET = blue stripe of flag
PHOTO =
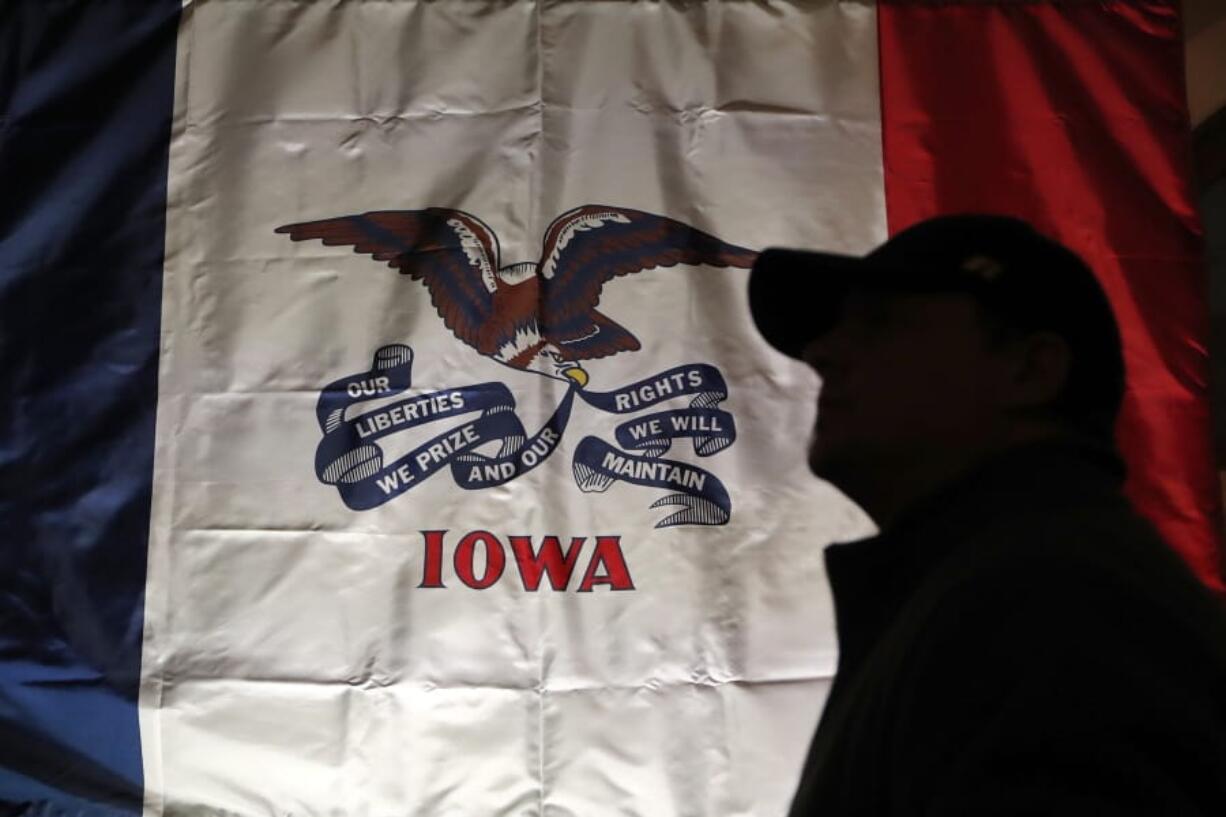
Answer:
(86, 90)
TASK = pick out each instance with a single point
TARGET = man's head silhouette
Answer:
(996, 633)
(957, 338)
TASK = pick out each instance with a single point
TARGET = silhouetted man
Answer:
(1016, 640)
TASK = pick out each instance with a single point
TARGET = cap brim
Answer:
(794, 295)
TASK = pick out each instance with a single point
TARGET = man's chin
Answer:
(822, 461)
(834, 463)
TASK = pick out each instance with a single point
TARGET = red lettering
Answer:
(495, 559)
(432, 567)
(608, 553)
(547, 559)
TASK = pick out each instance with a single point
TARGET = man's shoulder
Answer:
(1082, 577)
(1084, 547)
(1074, 620)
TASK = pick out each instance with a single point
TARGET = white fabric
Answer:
(292, 663)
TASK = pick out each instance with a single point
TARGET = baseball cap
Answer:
(1025, 279)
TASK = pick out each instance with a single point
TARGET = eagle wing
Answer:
(590, 245)
(605, 337)
(452, 252)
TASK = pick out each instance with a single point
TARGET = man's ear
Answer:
(1039, 368)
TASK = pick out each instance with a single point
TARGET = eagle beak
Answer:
(577, 374)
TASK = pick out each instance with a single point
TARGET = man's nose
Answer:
(812, 352)
(822, 353)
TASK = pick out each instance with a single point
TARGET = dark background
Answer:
(1205, 32)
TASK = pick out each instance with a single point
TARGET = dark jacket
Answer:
(1022, 643)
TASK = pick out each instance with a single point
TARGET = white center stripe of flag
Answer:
(436, 531)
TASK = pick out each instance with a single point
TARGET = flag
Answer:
(387, 432)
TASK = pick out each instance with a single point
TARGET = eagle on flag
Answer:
(534, 316)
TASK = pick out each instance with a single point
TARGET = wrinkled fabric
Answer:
(305, 657)
(86, 92)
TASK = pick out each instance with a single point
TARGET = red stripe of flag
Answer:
(1072, 115)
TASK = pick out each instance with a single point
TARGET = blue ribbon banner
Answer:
(487, 444)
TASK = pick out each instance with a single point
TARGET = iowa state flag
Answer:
(384, 429)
